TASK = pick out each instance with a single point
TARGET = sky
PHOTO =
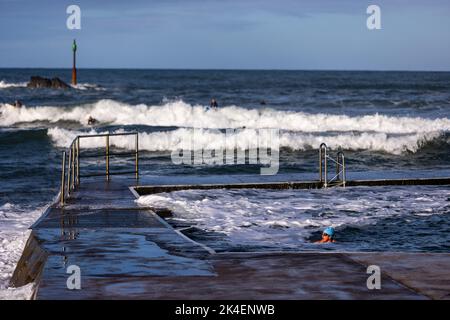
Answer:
(227, 34)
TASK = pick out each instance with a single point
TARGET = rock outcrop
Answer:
(40, 82)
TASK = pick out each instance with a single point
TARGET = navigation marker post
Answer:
(74, 66)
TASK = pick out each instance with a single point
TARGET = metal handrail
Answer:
(323, 160)
(323, 167)
(63, 174)
(72, 175)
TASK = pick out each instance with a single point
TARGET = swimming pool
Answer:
(409, 218)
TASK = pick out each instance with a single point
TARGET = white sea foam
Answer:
(285, 219)
(214, 139)
(87, 86)
(181, 114)
(79, 86)
(14, 233)
(7, 85)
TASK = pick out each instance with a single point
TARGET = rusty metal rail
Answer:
(70, 173)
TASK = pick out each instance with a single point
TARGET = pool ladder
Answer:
(339, 178)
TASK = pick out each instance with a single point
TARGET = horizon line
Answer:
(229, 69)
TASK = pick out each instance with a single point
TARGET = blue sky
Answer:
(228, 34)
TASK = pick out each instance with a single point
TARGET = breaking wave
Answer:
(14, 233)
(246, 138)
(181, 114)
(7, 85)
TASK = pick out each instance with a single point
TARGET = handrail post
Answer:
(78, 161)
(73, 167)
(344, 178)
(107, 157)
(69, 169)
(320, 164)
(63, 175)
(325, 169)
(323, 157)
(137, 156)
(338, 166)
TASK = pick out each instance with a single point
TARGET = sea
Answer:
(388, 124)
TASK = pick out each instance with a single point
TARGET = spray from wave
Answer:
(181, 114)
(245, 138)
(14, 234)
(7, 85)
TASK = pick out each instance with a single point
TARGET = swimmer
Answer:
(91, 121)
(327, 235)
(17, 104)
(213, 104)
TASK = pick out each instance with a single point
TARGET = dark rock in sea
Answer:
(40, 82)
(59, 84)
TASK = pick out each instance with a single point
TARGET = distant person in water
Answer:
(213, 104)
(17, 104)
(91, 121)
(327, 235)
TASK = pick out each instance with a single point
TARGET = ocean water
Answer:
(386, 122)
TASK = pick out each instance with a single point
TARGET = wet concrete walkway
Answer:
(129, 252)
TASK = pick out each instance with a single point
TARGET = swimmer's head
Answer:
(329, 231)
